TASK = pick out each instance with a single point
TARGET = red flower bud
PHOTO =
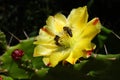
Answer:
(1, 78)
(17, 54)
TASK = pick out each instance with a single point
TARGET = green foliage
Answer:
(3, 42)
(27, 66)
(102, 37)
(97, 67)
(2, 77)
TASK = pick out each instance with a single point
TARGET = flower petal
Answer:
(46, 61)
(44, 50)
(91, 30)
(61, 18)
(79, 51)
(44, 38)
(55, 24)
(56, 57)
(78, 17)
(74, 56)
(88, 50)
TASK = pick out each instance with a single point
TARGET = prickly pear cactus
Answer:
(3, 43)
(18, 62)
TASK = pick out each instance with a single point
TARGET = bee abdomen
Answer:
(68, 30)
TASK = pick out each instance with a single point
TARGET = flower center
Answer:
(63, 39)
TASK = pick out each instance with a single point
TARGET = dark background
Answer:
(17, 16)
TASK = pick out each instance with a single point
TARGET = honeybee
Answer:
(68, 30)
(58, 39)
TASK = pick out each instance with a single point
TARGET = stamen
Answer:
(68, 30)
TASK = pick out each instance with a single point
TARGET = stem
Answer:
(106, 57)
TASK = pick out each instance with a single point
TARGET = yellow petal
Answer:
(84, 44)
(88, 50)
(46, 61)
(44, 38)
(61, 18)
(44, 50)
(78, 17)
(74, 56)
(76, 53)
(56, 57)
(56, 23)
(79, 51)
(91, 30)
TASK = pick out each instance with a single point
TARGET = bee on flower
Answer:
(67, 39)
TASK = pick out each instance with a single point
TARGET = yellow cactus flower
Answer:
(67, 39)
